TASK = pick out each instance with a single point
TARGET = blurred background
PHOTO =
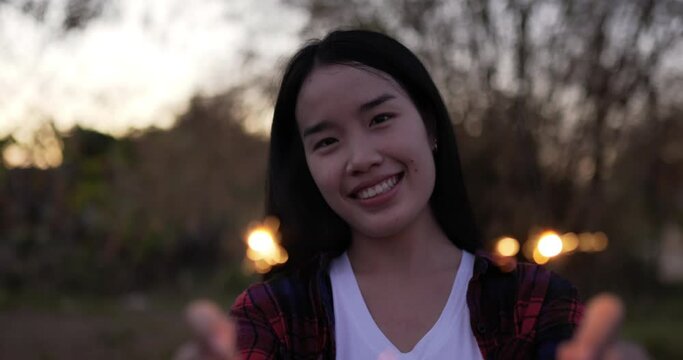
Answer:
(133, 140)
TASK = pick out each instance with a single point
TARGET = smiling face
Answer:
(367, 148)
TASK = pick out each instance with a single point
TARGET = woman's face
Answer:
(367, 148)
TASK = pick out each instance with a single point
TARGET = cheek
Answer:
(423, 169)
(413, 165)
(324, 176)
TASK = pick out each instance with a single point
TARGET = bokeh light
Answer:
(600, 241)
(549, 244)
(570, 242)
(538, 257)
(593, 242)
(43, 149)
(586, 242)
(263, 249)
(507, 246)
(15, 156)
(528, 248)
(261, 242)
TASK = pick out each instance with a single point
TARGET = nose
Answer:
(363, 156)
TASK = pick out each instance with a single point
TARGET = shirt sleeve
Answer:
(255, 314)
(560, 314)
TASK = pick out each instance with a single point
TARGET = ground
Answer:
(139, 326)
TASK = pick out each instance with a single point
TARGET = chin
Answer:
(380, 228)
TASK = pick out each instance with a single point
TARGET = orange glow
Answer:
(549, 244)
(528, 249)
(272, 223)
(507, 246)
(282, 256)
(600, 241)
(263, 249)
(42, 156)
(570, 242)
(542, 248)
(261, 266)
(15, 156)
(586, 242)
(539, 258)
(262, 242)
(40, 149)
(253, 255)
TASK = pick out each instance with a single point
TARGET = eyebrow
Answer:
(367, 106)
(321, 126)
(375, 102)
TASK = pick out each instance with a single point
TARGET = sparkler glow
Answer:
(549, 244)
(507, 246)
(539, 258)
(570, 242)
(263, 248)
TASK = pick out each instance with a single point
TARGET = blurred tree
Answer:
(128, 213)
(203, 178)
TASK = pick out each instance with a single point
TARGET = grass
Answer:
(657, 324)
(50, 326)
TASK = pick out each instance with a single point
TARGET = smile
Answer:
(378, 189)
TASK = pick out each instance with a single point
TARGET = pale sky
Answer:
(138, 64)
(135, 66)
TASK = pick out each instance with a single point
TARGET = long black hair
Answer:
(308, 226)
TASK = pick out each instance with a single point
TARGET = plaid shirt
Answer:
(521, 314)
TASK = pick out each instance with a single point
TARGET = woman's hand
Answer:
(214, 333)
(596, 337)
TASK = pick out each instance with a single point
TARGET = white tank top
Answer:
(358, 337)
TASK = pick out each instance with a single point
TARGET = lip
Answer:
(373, 182)
(381, 199)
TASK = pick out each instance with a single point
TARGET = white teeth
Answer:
(378, 189)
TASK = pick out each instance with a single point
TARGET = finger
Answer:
(600, 325)
(203, 316)
(572, 350)
(214, 331)
(222, 342)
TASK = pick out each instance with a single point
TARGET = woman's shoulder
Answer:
(529, 279)
(533, 290)
(286, 314)
(540, 307)
(290, 294)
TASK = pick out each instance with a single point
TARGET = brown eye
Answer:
(379, 119)
(324, 143)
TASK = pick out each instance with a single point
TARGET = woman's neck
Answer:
(422, 247)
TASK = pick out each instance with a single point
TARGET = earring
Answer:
(435, 146)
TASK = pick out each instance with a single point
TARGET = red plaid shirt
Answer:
(521, 314)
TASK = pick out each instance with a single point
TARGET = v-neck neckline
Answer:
(377, 339)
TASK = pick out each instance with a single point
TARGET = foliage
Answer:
(127, 213)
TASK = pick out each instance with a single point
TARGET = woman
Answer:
(365, 178)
